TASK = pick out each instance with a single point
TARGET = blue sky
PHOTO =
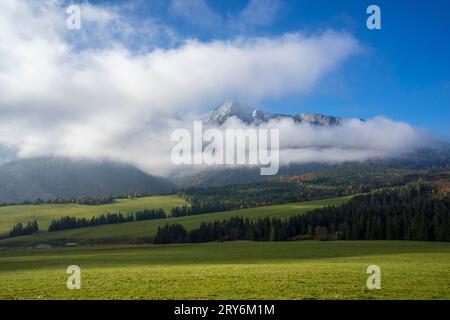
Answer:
(403, 72)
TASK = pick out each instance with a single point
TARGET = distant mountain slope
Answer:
(253, 116)
(221, 176)
(48, 178)
(437, 158)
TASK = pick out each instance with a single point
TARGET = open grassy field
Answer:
(140, 231)
(231, 270)
(44, 213)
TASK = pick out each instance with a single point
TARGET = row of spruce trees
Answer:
(201, 207)
(408, 214)
(23, 230)
(67, 222)
(91, 201)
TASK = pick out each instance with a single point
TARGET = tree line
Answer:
(406, 214)
(201, 206)
(84, 200)
(65, 223)
(21, 230)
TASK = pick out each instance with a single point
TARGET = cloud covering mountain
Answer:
(113, 102)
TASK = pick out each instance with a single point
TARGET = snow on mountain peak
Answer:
(250, 115)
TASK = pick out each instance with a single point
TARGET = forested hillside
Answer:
(412, 212)
(345, 180)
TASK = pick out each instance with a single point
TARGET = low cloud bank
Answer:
(353, 140)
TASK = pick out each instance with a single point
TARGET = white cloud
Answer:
(258, 13)
(117, 104)
(111, 25)
(353, 140)
(196, 12)
(97, 14)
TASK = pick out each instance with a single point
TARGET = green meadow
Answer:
(142, 231)
(230, 270)
(44, 213)
(116, 263)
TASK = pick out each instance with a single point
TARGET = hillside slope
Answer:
(49, 178)
(142, 231)
(44, 213)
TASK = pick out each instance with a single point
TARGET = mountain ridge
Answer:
(233, 108)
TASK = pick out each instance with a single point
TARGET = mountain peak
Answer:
(229, 109)
(319, 119)
(233, 108)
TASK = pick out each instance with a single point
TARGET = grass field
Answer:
(232, 270)
(135, 232)
(44, 213)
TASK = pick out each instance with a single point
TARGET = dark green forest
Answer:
(413, 212)
(67, 222)
(23, 230)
